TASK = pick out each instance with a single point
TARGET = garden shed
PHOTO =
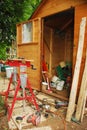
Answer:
(51, 35)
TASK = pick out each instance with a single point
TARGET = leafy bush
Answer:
(3, 48)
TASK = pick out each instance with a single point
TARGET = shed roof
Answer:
(49, 7)
(38, 7)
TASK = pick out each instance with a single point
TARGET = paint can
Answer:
(54, 79)
(44, 85)
(60, 85)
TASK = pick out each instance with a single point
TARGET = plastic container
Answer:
(44, 85)
(53, 85)
(23, 78)
(23, 68)
(15, 74)
(9, 71)
(60, 85)
(55, 79)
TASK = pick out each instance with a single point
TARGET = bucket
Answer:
(60, 85)
(44, 85)
(55, 79)
(9, 71)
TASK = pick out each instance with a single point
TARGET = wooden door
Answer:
(31, 51)
(80, 11)
(80, 45)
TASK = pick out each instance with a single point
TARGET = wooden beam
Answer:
(66, 25)
(82, 94)
(51, 47)
(74, 86)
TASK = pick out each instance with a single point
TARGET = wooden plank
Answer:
(61, 97)
(16, 124)
(82, 94)
(19, 34)
(51, 46)
(74, 86)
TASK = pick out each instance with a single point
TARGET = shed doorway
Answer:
(57, 51)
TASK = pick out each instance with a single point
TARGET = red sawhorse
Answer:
(31, 98)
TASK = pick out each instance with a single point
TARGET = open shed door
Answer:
(28, 41)
(57, 42)
(80, 11)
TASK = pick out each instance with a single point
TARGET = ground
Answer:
(54, 119)
(4, 123)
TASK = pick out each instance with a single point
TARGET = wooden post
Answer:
(82, 94)
(51, 51)
(74, 86)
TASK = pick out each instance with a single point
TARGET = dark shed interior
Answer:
(58, 37)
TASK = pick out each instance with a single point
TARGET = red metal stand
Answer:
(30, 98)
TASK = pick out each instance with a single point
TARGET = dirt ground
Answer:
(53, 120)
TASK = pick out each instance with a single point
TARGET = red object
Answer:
(44, 66)
(30, 98)
(45, 71)
(17, 63)
(34, 118)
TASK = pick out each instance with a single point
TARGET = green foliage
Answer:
(3, 48)
(29, 8)
(11, 13)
